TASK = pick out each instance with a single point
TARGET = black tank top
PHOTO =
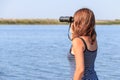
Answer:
(89, 60)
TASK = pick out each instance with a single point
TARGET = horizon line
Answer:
(51, 19)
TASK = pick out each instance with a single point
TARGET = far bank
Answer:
(51, 21)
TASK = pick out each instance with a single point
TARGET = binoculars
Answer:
(68, 19)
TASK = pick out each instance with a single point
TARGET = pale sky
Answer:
(103, 9)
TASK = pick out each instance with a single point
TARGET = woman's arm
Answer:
(78, 49)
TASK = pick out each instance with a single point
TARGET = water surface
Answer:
(39, 52)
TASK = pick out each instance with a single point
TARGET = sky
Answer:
(103, 9)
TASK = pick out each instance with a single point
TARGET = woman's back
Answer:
(90, 53)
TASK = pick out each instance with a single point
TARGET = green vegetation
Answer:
(30, 21)
(107, 22)
(51, 21)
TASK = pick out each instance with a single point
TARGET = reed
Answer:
(107, 22)
(51, 21)
(30, 21)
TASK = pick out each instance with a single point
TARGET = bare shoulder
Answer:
(77, 43)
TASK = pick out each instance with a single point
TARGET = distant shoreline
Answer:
(51, 21)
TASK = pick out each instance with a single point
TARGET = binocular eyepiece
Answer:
(66, 19)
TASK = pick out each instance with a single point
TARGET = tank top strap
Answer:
(84, 43)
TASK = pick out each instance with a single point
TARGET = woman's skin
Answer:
(78, 48)
(78, 51)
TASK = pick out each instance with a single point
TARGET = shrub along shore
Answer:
(51, 21)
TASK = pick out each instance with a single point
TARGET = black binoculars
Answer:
(68, 19)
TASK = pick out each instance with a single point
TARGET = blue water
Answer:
(39, 52)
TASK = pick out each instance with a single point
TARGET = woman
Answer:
(84, 45)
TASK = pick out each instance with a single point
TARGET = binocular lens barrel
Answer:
(66, 19)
